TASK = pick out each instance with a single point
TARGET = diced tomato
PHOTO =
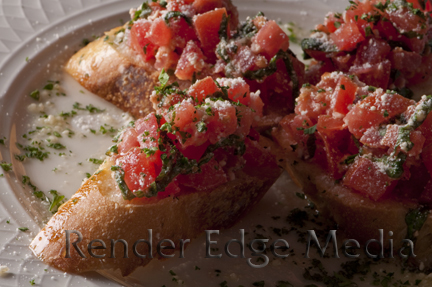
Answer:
(270, 39)
(330, 20)
(202, 88)
(222, 124)
(159, 33)
(365, 177)
(329, 125)
(139, 40)
(127, 141)
(211, 176)
(238, 90)
(344, 95)
(317, 69)
(298, 125)
(148, 136)
(375, 110)
(311, 103)
(165, 58)
(335, 139)
(256, 104)
(428, 6)
(405, 60)
(194, 137)
(207, 26)
(180, 5)
(190, 62)
(391, 136)
(182, 32)
(426, 157)
(182, 115)
(139, 172)
(193, 152)
(426, 129)
(355, 15)
(347, 37)
(202, 6)
(372, 138)
(259, 162)
(387, 30)
(343, 62)
(245, 59)
(245, 118)
(372, 51)
(377, 75)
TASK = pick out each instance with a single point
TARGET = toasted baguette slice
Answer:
(357, 216)
(98, 211)
(116, 77)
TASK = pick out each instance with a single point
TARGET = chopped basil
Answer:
(175, 14)
(310, 130)
(49, 87)
(201, 127)
(272, 68)
(56, 202)
(92, 109)
(35, 95)
(150, 151)
(33, 151)
(6, 166)
(315, 44)
(119, 177)
(414, 220)
(96, 161)
(393, 164)
(350, 159)
(223, 29)
(420, 114)
(143, 12)
(23, 229)
(56, 146)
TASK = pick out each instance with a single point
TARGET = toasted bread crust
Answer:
(98, 212)
(114, 76)
(359, 217)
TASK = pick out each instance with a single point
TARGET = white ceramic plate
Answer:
(46, 33)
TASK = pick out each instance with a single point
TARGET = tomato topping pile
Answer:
(196, 39)
(374, 141)
(259, 52)
(180, 34)
(196, 141)
(384, 43)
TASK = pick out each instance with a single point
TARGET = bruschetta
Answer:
(190, 40)
(384, 43)
(362, 155)
(196, 163)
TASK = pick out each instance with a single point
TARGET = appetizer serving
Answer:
(362, 154)
(190, 40)
(195, 164)
(196, 157)
(385, 44)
